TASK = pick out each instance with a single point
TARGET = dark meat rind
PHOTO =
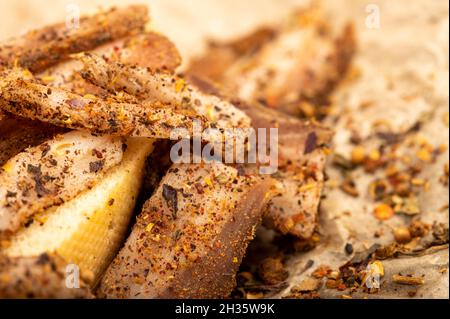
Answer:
(17, 134)
(42, 48)
(195, 251)
(41, 277)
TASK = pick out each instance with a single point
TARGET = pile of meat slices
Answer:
(113, 79)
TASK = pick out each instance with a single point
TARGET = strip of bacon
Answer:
(44, 47)
(162, 87)
(190, 238)
(57, 106)
(147, 50)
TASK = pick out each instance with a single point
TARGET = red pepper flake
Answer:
(97, 153)
(199, 188)
(45, 148)
(321, 272)
(383, 212)
(170, 194)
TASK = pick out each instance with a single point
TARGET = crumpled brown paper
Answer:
(402, 79)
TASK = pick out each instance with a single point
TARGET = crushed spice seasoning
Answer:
(170, 195)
